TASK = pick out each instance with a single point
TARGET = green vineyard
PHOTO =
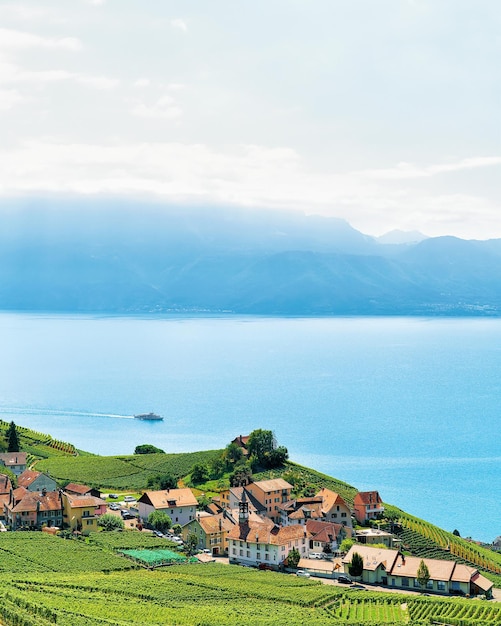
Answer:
(428, 541)
(215, 595)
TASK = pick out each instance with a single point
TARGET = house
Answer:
(5, 489)
(212, 531)
(392, 568)
(242, 442)
(271, 494)
(371, 536)
(27, 509)
(326, 537)
(36, 481)
(15, 461)
(179, 504)
(326, 506)
(300, 510)
(231, 498)
(259, 542)
(367, 505)
(82, 490)
(334, 507)
(81, 512)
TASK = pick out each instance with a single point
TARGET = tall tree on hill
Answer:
(12, 438)
(262, 445)
(423, 574)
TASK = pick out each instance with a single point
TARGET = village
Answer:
(259, 525)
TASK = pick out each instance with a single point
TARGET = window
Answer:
(405, 582)
(343, 514)
(241, 552)
(234, 551)
(429, 584)
(248, 554)
(258, 555)
(416, 583)
(266, 557)
(440, 585)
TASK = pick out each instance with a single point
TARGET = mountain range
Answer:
(122, 257)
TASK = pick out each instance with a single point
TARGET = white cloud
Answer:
(16, 39)
(408, 170)
(251, 175)
(163, 108)
(11, 73)
(142, 82)
(179, 24)
(9, 98)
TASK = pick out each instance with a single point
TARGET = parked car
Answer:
(114, 506)
(126, 514)
(302, 573)
(346, 580)
(316, 555)
(158, 533)
(113, 496)
(129, 499)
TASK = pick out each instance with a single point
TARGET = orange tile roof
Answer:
(79, 502)
(330, 498)
(367, 497)
(373, 557)
(274, 484)
(163, 499)
(482, 582)
(215, 523)
(267, 532)
(13, 458)
(27, 477)
(48, 502)
(76, 488)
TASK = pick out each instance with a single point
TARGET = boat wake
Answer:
(62, 413)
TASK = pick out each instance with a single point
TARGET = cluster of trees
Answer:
(262, 453)
(162, 481)
(148, 448)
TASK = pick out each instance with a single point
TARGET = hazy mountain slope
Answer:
(133, 259)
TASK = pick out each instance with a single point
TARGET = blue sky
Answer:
(385, 113)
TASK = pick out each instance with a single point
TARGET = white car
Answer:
(302, 573)
(129, 499)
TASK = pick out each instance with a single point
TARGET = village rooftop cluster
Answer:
(257, 525)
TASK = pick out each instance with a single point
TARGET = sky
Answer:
(384, 113)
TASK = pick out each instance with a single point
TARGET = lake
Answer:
(407, 406)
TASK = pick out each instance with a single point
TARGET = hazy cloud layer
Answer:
(390, 121)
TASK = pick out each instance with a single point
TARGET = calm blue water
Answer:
(406, 406)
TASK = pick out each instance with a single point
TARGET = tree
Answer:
(241, 477)
(423, 575)
(199, 473)
(148, 448)
(346, 545)
(109, 522)
(456, 532)
(356, 567)
(159, 520)
(232, 453)
(12, 438)
(262, 444)
(293, 558)
(191, 544)
(168, 481)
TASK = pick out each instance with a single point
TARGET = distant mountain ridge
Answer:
(118, 257)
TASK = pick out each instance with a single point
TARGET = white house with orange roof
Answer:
(260, 542)
(393, 569)
(179, 504)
